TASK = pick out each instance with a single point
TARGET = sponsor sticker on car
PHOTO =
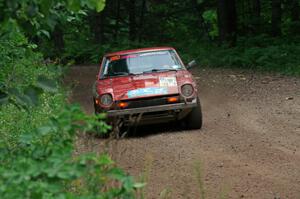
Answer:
(147, 91)
(167, 81)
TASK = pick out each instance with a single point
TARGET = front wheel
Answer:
(194, 119)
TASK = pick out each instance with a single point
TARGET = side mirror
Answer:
(191, 64)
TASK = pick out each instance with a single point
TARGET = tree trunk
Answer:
(256, 15)
(58, 39)
(200, 9)
(276, 17)
(227, 21)
(295, 18)
(142, 20)
(132, 20)
(116, 31)
(98, 28)
(295, 11)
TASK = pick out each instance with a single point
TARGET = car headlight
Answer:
(106, 99)
(187, 90)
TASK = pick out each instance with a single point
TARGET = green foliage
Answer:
(38, 133)
(210, 18)
(36, 153)
(78, 52)
(261, 53)
(40, 164)
(20, 68)
(74, 5)
(84, 35)
(39, 18)
(193, 31)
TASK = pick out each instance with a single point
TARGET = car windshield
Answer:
(139, 63)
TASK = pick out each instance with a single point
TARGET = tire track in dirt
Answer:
(249, 144)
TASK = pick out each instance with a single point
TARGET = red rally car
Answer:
(146, 86)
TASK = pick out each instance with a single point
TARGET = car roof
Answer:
(123, 52)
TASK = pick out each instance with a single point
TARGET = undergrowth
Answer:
(38, 130)
(260, 53)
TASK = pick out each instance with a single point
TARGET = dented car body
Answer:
(146, 86)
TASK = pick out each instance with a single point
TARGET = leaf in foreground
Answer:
(46, 84)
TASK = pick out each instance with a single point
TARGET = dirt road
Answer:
(249, 146)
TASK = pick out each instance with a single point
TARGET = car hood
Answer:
(144, 85)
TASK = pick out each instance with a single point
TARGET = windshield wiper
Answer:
(116, 74)
(159, 70)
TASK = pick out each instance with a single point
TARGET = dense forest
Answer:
(38, 38)
(259, 34)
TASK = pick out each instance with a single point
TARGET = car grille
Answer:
(144, 102)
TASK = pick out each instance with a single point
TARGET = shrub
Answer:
(259, 53)
(37, 134)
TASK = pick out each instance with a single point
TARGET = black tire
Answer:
(194, 119)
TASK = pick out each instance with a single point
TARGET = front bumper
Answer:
(152, 109)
